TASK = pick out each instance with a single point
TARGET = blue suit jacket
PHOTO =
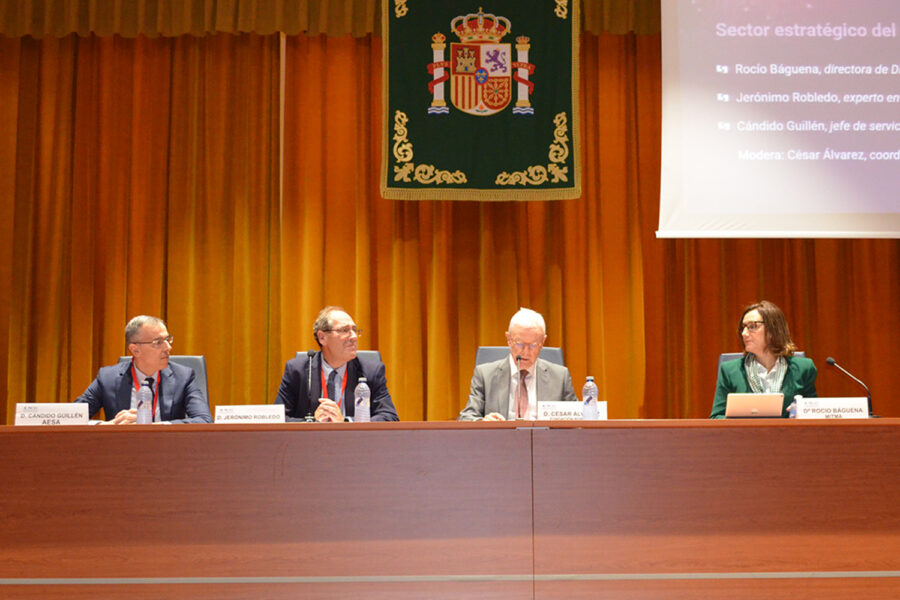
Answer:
(299, 401)
(180, 400)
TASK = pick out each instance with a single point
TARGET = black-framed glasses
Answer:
(159, 342)
(346, 329)
(751, 326)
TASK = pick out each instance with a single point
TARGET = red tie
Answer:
(522, 400)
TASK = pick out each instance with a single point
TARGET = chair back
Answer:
(368, 353)
(733, 355)
(197, 362)
(491, 353)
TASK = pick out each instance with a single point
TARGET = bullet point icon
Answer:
(722, 69)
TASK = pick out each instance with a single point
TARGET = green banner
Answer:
(481, 100)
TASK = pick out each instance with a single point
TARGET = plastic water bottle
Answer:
(792, 407)
(144, 405)
(361, 398)
(589, 395)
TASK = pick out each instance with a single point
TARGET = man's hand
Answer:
(494, 417)
(328, 411)
(126, 417)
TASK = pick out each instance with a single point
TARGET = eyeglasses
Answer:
(158, 342)
(346, 329)
(520, 346)
(751, 326)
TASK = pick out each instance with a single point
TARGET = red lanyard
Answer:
(137, 388)
(325, 386)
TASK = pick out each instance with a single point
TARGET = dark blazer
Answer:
(299, 401)
(180, 400)
(799, 379)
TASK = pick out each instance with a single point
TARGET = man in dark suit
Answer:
(335, 371)
(176, 398)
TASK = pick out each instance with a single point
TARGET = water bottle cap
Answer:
(590, 377)
(362, 379)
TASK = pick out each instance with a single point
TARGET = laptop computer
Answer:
(753, 405)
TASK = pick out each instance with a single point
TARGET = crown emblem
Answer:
(480, 28)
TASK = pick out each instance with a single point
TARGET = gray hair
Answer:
(323, 321)
(135, 324)
(528, 318)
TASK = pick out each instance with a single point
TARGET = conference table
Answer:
(606, 509)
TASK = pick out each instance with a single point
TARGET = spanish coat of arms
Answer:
(481, 69)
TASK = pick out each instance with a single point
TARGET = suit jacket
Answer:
(799, 379)
(489, 391)
(299, 401)
(180, 400)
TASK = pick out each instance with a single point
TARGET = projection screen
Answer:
(780, 119)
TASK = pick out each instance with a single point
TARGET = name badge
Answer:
(51, 413)
(832, 408)
(250, 413)
(567, 411)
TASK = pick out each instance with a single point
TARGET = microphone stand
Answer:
(521, 383)
(833, 363)
(309, 418)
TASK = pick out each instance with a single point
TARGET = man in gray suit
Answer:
(511, 387)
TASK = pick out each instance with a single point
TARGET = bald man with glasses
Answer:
(511, 387)
(176, 398)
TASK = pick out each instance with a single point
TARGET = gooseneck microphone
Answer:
(518, 394)
(833, 363)
(310, 418)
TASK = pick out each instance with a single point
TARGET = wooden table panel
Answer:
(752, 589)
(776, 496)
(207, 501)
(453, 510)
(278, 591)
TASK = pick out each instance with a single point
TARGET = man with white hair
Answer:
(510, 388)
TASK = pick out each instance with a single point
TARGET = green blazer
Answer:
(799, 379)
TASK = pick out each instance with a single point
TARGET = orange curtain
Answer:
(433, 280)
(130, 18)
(142, 175)
(139, 176)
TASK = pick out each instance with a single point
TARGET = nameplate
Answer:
(832, 408)
(51, 413)
(250, 413)
(566, 411)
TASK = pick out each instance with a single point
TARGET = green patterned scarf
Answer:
(756, 383)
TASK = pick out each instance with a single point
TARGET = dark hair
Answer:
(323, 321)
(778, 336)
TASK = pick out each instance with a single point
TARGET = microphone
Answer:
(833, 363)
(519, 369)
(310, 418)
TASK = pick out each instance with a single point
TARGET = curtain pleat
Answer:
(145, 182)
(172, 18)
(141, 176)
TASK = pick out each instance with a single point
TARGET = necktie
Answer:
(522, 397)
(332, 389)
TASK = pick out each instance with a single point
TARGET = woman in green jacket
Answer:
(768, 364)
